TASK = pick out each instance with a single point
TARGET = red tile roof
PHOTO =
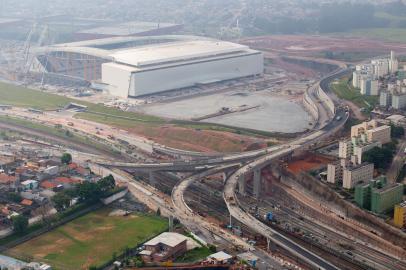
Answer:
(72, 166)
(7, 179)
(26, 202)
(67, 180)
(48, 185)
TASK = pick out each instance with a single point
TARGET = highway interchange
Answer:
(244, 163)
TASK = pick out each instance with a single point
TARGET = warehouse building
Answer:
(158, 68)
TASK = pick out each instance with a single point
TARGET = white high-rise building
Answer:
(381, 67)
(393, 63)
(369, 87)
(355, 174)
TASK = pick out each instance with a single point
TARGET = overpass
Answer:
(262, 158)
(190, 165)
(238, 178)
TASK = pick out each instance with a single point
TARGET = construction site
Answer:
(233, 154)
(74, 69)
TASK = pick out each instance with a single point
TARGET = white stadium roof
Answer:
(176, 51)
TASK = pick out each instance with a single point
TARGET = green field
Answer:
(24, 97)
(344, 89)
(90, 240)
(194, 255)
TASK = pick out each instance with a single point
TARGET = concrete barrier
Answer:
(327, 100)
(114, 197)
(310, 106)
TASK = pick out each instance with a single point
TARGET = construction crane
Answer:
(27, 45)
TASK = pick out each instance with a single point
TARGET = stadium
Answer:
(137, 66)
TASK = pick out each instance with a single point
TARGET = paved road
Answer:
(195, 222)
(237, 212)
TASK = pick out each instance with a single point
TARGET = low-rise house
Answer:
(166, 246)
(219, 258)
(48, 184)
(53, 170)
(29, 184)
(248, 257)
(26, 202)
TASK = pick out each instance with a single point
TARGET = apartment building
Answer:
(399, 216)
(354, 174)
(379, 134)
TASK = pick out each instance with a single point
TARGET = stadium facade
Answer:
(137, 66)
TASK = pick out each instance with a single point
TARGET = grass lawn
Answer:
(344, 89)
(194, 255)
(24, 97)
(90, 240)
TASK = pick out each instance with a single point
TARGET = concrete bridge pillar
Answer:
(241, 184)
(257, 183)
(225, 176)
(152, 180)
(268, 244)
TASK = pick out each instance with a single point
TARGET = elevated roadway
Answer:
(195, 222)
(190, 165)
(247, 219)
(339, 117)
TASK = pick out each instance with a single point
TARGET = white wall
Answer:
(159, 80)
(118, 79)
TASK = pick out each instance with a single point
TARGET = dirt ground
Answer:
(311, 44)
(199, 140)
(307, 163)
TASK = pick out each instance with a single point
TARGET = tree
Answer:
(107, 183)
(380, 157)
(15, 197)
(20, 224)
(66, 158)
(213, 248)
(61, 201)
(89, 192)
(397, 131)
(44, 212)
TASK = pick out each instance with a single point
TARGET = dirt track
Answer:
(45, 136)
(309, 45)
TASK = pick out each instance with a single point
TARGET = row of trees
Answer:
(86, 192)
